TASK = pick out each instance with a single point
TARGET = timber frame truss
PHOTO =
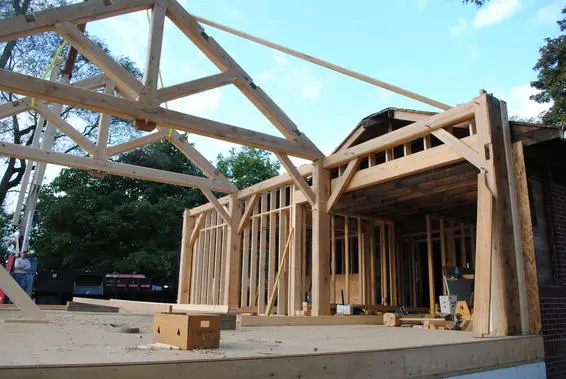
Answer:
(223, 226)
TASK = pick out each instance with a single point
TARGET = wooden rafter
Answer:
(66, 128)
(192, 87)
(296, 176)
(81, 13)
(61, 93)
(112, 69)
(191, 28)
(114, 168)
(136, 142)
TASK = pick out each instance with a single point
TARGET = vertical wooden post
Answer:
(347, 259)
(443, 254)
(320, 241)
(333, 259)
(218, 254)
(372, 262)
(154, 44)
(272, 264)
(254, 258)
(392, 265)
(527, 239)
(244, 296)
(186, 259)
(413, 273)
(504, 302)
(361, 262)
(463, 258)
(383, 261)
(283, 230)
(296, 258)
(233, 262)
(262, 254)
(210, 264)
(431, 290)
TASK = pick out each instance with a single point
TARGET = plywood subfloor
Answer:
(80, 338)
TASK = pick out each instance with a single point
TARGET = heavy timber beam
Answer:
(247, 212)
(154, 44)
(136, 142)
(114, 168)
(192, 87)
(185, 263)
(320, 242)
(23, 104)
(60, 93)
(191, 28)
(112, 69)
(342, 183)
(219, 207)
(81, 13)
(297, 178)
(232, 261)
(461, 148)
(189, 151)
(398, 137)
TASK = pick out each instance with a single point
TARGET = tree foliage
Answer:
(32, 55)
(551, 80)
(114, 223)
(247, 166)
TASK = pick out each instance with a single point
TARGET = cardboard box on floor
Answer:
(187, 331)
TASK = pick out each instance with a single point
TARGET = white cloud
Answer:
(298, 78)
(422, 4)
(519, 104)
(311, 90)
(460, 28)
(551, 13)
(495, 12)
(202, 104)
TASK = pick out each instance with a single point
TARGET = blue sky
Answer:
(441, 49)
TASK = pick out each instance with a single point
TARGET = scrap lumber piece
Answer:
(73, 306)
(248, 320)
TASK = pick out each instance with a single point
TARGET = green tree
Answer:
(114, 223)
(247, 166)
(551, 80)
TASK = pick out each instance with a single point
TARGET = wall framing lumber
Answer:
(296, 260)
(430, 265)
(262, 254)
(61, 93)
(284, 231)
(114, 168)
(254, 259)
(249, 209)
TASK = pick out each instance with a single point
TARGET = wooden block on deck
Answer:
(392, 319)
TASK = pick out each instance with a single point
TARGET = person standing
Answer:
(21, 269)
